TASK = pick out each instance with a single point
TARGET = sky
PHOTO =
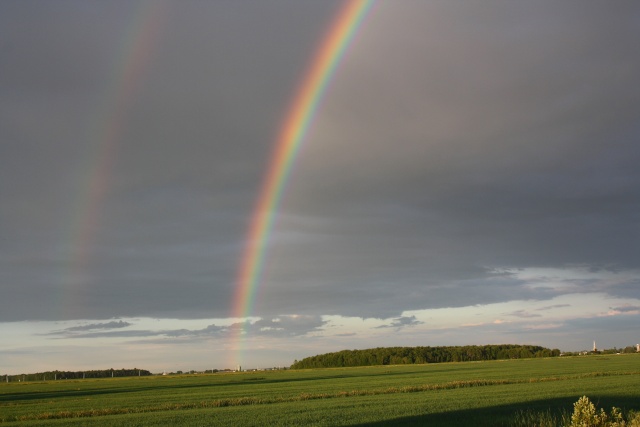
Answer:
(469, 177)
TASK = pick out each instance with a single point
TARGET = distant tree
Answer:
(412, 355)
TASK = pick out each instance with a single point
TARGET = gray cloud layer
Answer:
(283, 326)
(452, 142)
(116, 324)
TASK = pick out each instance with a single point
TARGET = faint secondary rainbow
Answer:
(105, 132)
(292, 133)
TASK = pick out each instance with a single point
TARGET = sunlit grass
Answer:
(490, 393)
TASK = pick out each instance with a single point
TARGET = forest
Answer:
(74, 375)
(418, 355)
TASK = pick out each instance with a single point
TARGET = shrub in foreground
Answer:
(584, 414)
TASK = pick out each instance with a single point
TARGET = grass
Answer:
(472, 393)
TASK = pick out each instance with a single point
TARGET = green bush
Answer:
(584, 414)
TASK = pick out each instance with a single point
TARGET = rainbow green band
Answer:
(293, 131)
(105, 133)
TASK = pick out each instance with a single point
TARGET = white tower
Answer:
(594, 346)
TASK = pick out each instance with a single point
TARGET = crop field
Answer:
(470, 393)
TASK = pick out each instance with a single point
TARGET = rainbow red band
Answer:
(292, 134)
(138, 44)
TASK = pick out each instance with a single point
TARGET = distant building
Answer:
(594, 347)
(638, 347)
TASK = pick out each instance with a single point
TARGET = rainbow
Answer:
(292, 133)
(105, 132)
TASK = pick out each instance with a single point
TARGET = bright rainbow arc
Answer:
(293, 131)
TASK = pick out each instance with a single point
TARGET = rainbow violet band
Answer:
(137, 46)
(290, 138)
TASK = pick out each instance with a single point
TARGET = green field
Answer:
(470, 393)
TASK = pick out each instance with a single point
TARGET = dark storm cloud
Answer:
(513, 145)
(456, 144)
(190, 152)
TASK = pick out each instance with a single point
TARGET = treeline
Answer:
(74, 375)
(411, 355)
